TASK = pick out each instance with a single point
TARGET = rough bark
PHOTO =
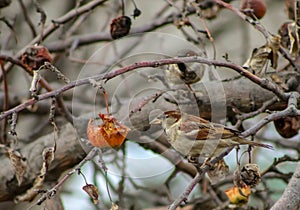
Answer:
(290, 199)
(68, 153)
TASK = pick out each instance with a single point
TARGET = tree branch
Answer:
(204, 168)
(290, 200)
(264, 83)
(69, 152)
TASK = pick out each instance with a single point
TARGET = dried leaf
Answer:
(256, 63)
(92, 191)
(288, 127)
(219, 172)
(235, 197)
(19, 164)
(294, 38)
(48, 156)
(250, 175)
(110, 133)
(284, 34)
(31, 193)
(274, 44)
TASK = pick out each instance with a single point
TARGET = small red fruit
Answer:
(253, 8)
(109, 134)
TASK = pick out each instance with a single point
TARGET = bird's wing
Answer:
(224, 132)
(201, 129)
(196, 130)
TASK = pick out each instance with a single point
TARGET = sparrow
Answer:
(194, 136)
(180, 73)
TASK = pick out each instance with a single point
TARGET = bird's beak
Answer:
(156, 121)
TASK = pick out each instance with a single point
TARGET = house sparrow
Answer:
(194, 136)
(181, 73)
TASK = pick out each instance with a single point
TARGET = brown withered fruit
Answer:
(111, 133)
(288, 127)
(253, 8)
(120, 27)
(250, 174)
(35, 56)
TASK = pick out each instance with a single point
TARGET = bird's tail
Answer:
(256, 144)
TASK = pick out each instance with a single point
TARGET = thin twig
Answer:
(109, 75)
(55, 25)
(263, 108)
(145, 101)
(43, 18)
(5, 103)
(291, 110)
(158, 22)
(27, 18)
(258, 26)
(204, 168)
(123, 178)
(277, 161)
(54, 189)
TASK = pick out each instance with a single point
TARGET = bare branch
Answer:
(27, 18)
(291, 110)
(204, 168)
(107, 76)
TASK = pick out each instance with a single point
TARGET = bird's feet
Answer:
(197, 162)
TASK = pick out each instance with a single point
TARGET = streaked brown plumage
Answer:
(194, 136)
(181, 73)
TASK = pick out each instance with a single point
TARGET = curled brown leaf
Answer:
(19, 163)
(92, 191)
